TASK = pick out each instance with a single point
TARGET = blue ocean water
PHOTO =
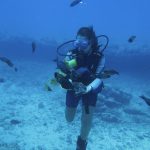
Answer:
(32, 118)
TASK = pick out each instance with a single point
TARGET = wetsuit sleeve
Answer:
(96, 84)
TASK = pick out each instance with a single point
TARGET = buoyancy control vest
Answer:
(85, 71)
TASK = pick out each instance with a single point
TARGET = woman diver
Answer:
(80, 77)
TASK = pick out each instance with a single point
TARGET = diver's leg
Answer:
(71, 105)
(86, 122)
(70, 113)
(89, 103)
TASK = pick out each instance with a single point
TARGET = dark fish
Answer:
(146, 99)
(15, 122)
(7, 61)
(75, 2)
(48, 88)
(53, 81)
(132, 39)
(104, 76)
(111, 72)
(33, 47)
(108, 73)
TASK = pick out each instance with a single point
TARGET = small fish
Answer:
(33, 47)
(15, 122)
(53, 81)
(132, 39)
(75, 2)
(146, 99)
(7, 61)
(104, 76)
(48, 88)
(108, 73)
(111, 72)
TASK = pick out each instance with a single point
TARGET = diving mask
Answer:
(81, 43)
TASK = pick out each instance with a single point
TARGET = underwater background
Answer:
(32, 118)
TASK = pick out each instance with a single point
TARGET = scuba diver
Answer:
(78, 73)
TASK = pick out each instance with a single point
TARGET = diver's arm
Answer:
(93, 86)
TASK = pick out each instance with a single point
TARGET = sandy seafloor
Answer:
(121, 121)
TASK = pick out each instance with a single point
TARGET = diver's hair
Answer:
(90, 34)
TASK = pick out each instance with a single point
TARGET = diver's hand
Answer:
(80, 88)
